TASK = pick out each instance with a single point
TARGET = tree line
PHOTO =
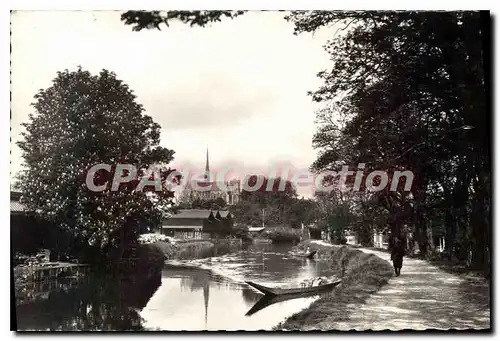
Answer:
(268, 204)
(406, 90)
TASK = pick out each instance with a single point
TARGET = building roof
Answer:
(198, 214)
(185, 227)
(225, 214)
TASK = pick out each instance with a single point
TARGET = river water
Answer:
(190, 294)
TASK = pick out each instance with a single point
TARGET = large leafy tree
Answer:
(82, 120)
(268, 198)
(302, 211)
(407, 84)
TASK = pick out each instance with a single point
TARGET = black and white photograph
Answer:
(251, 170)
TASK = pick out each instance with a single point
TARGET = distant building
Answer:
(206, 189)
(380, 239)
(198, 224)
(351, 240)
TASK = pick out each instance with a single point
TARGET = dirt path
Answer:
(423, 297)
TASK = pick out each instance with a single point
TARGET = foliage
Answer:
(167, 249)
(283, 234)
(241, 231)
(150, 238)
(302, 211)
(274, 202)
(153, 19)
(407, 91)
(337, 214)
(150, 260)
(82, 120)
(401, 89)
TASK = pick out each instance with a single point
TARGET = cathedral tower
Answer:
(207, 169)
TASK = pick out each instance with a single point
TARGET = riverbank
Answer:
(150, 257)
(362, 275)
(282, 235)
(181, 248)
(424, 297)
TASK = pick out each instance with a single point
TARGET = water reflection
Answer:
(212, 295)
(266, 301)
(264, 262)
(218, 299)
(96, 304)
(250, 296)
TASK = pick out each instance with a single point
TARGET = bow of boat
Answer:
(265, 290)
(293, 291)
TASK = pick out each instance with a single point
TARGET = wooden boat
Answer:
(293, 291)
(311, 254)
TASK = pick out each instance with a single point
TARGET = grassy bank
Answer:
(454, 266)
(282, 235)
(173, 251)
(362, 275)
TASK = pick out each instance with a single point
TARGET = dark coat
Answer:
(398, 249)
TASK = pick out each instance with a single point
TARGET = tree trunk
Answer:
(480, 226)
(451, 232)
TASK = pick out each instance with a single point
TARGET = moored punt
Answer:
(311, 254)
(293, 291)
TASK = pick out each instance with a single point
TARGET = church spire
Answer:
(207, 169)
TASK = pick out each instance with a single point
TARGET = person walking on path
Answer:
(397, 254)
(426, 297)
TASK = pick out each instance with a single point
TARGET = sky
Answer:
(238, 87)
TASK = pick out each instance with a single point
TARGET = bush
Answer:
(150, 259)
(241, 231)
(167, 249)
(150, 238)
(283, 234)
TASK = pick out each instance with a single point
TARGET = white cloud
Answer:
(238, 86)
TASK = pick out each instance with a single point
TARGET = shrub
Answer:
(283, 234)
(150, 259)
(167, 249)
(150, 238)
(241, 231)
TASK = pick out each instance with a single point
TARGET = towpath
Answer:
(422, 297)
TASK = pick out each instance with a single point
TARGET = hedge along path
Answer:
(423, 297)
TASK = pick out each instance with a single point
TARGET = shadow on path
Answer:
(423, 297)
